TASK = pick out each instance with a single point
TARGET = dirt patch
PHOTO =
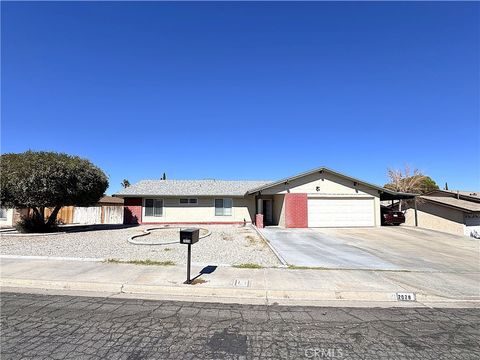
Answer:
(253, 240)
(198, 281)
(226, 237)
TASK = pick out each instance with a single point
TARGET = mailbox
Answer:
(189, 236)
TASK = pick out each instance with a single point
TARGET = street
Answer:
(73, 327)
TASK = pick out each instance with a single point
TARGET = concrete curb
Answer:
(54, 258)
(17, 234)
(216, 294)
(67, 258)
(61, 285)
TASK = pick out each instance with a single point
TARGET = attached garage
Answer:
(324, 198)
(341, 212)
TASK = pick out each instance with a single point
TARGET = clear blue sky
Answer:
(245, 90)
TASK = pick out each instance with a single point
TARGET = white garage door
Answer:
(328, 212)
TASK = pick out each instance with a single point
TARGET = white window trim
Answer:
(188, 203)
(222, 198)
(153, 216)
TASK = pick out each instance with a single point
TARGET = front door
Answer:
(267, 212)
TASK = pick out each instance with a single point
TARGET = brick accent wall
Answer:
(259, 221)
(132, 211)
(296, 211)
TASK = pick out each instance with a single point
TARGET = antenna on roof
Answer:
(446, 186)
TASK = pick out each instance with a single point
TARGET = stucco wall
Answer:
(202, 212)
(324, 185)
(437, 217)
(8, 220)
(279, 210)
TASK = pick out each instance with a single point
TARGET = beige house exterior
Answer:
(328, 188)
(447, 211)
(9, 217)
(6, 218)
(203, 211)
(317, 198)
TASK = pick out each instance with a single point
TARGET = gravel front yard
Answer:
(228, 244)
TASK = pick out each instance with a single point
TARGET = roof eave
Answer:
(449, 205)
(325, 169)
(177, 195)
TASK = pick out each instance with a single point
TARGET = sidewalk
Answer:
(247, 286)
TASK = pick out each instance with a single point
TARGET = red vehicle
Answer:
(391, 217)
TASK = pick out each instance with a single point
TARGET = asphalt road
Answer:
(65, 327)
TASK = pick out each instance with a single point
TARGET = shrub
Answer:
(29, 224)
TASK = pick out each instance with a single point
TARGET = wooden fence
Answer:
(105, 214)
(65, 215)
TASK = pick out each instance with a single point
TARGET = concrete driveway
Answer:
(385, 248)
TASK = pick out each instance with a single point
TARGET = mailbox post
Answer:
(189, 237)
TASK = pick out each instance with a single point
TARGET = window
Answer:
(223, 207)
(188, 201)
(153, 207)
(3, 213)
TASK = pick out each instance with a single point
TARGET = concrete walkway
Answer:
(250, 286)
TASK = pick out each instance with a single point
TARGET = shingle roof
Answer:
(474, 194)
(452, 201)
(110, 200)
(191, 188)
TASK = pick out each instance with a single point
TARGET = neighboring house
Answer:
(9, 217)
(6, 217)
(455, 212)
(317, 198)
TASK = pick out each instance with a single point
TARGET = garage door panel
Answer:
(340, 212)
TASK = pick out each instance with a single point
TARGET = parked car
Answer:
(391, 217)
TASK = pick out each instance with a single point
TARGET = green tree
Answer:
(428, 185)
(40, 180)
(410, 181)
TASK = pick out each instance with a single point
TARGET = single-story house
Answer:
(455, 212)
(317, 198)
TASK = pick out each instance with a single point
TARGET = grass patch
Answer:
(141, 262)
(248, 266)
(295, 267)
